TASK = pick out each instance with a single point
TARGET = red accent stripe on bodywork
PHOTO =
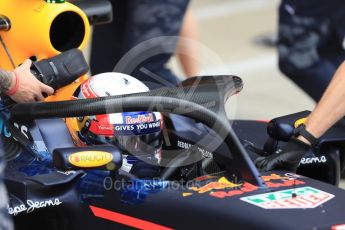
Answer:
(126, 220)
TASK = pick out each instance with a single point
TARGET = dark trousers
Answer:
(311, 42)
(140, 41)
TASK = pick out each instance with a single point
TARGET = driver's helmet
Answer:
(137, 134)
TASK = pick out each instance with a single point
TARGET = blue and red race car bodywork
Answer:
(221, 189)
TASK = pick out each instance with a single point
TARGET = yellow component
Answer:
(72, 124)
(225, 181)
(66, 93)
(187, 194)
(300, 122)
(74, 135)
(90, 159)
(221, 184)
(273, 177)
(41, 29)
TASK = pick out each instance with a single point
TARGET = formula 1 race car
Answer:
(205, 175)
(207, 180)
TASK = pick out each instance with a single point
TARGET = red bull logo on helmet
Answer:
(136, 123)
(144, 118)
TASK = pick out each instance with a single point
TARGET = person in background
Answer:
(328, 111)
(311, 42)
(141, 22)
(21, 86)
(187, 52)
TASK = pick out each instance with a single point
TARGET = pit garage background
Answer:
(241, 34)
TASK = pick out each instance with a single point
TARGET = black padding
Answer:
(55, 133)
(282, 128)
(144, 170)
(98, 12)
(56, 178)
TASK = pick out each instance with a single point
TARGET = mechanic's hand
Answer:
(287, 158)
(29, 88)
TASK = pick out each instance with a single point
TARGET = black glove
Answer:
(286, 158)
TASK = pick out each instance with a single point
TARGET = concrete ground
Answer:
(228, 29)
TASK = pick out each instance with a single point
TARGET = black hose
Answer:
(137, 102)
